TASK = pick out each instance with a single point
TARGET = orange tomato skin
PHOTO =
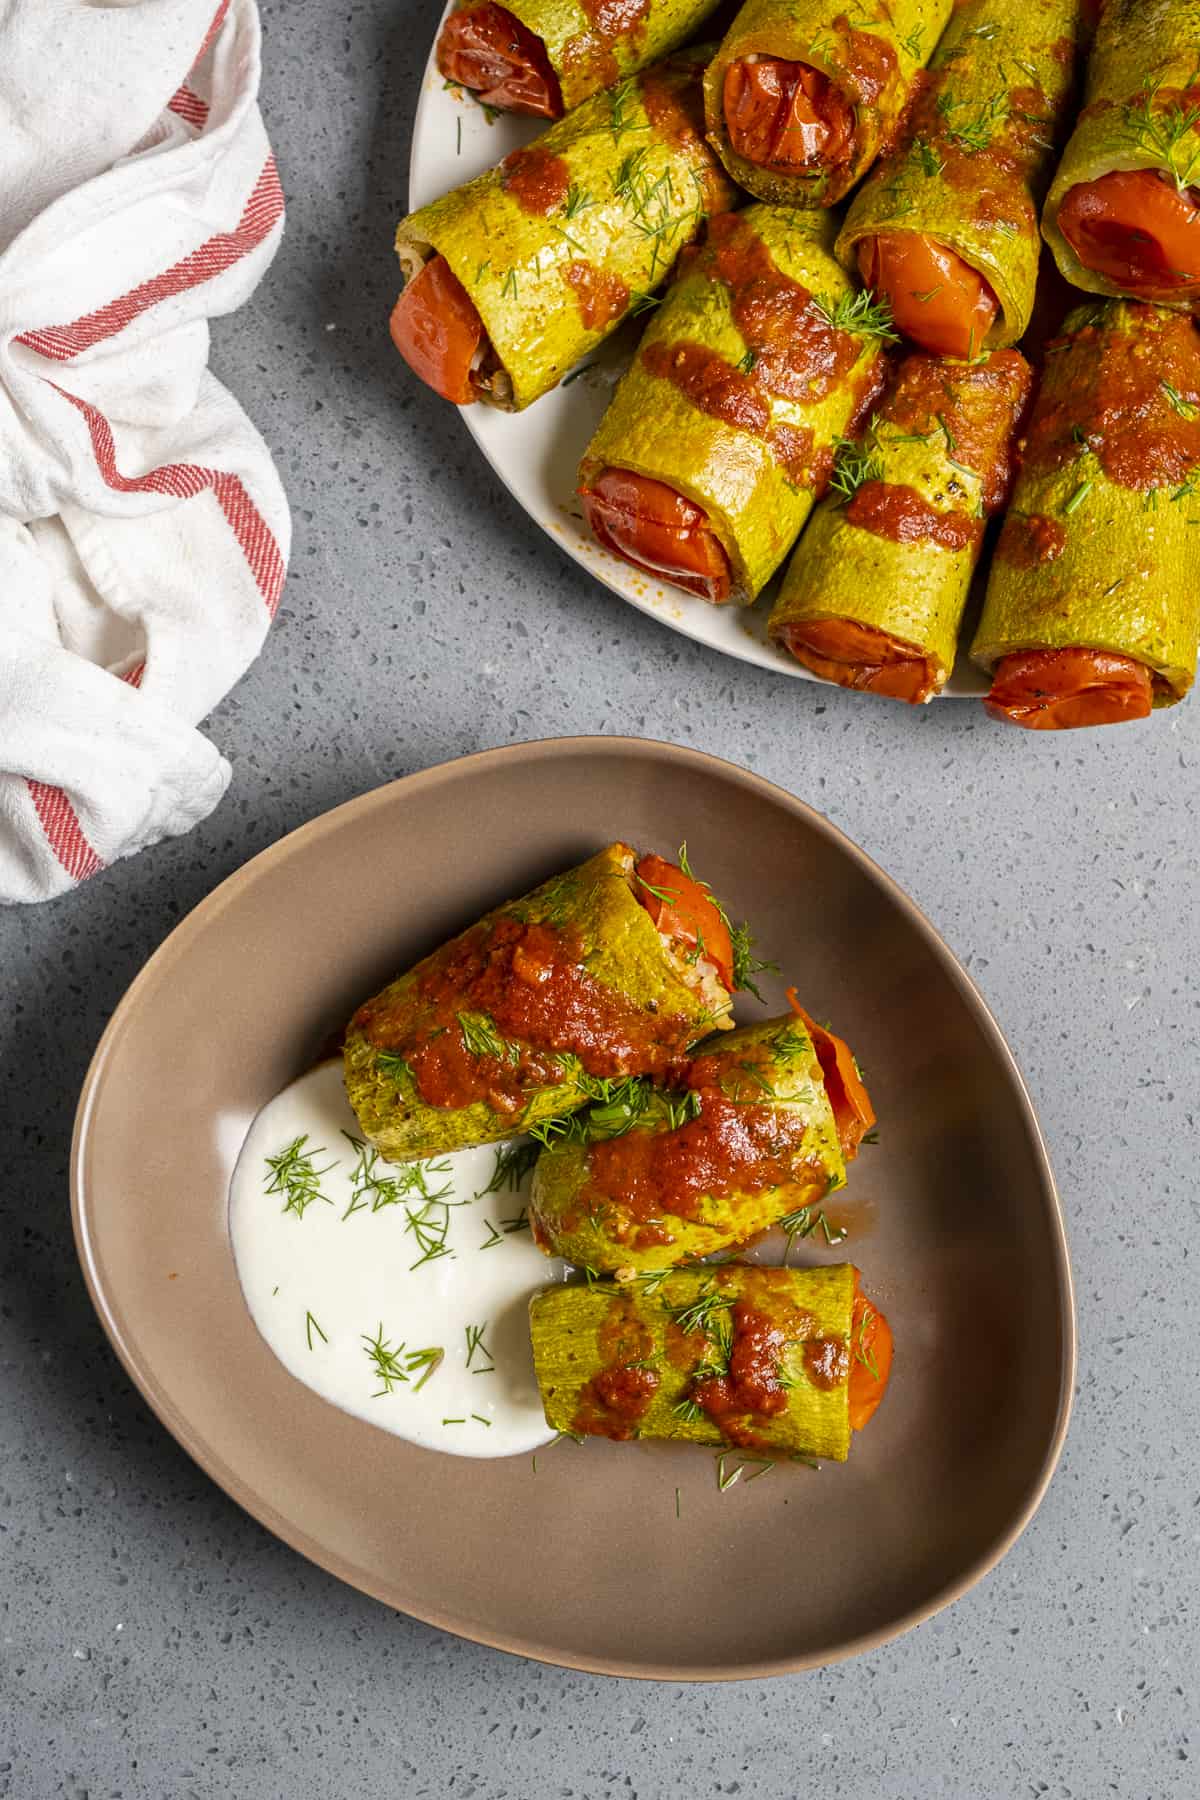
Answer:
(1137, 230)
(860, 657)
(853, 1112)
(683, 909)
(785, 116)
(870, 1337)
(937, 299)
(650, 525)
(1062, 690)
(437, 331)
(484, 48)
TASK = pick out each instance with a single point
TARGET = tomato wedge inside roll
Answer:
(853, 1112)
(655, 528)
(861, 657)
(1057, 690)
(937, 299)
(870, 1359)
(438, 332)
(684, 910)
(1138, 230)
(785, 116)
(485, 49)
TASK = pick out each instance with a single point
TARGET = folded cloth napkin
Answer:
(143, 530)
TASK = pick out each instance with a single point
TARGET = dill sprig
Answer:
(746, 965)
(482, 1039)
(513, 1164)
(649, 1280)
(924, 157)
(292, 1174)
(1160, 133)
(863, 1352)
(861, 313)
(429, 1361)
(620, 101)
(640, 302)
(688, 1411)
(310, 1325)
(804, 1222)
(1185, 408)
(516, 1222)
(854, 463)
(578, 200)
(975, 125)
(385, 1360)
(477, 1347)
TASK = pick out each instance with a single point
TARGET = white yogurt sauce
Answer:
(330, 1281)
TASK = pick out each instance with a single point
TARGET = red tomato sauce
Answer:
(536, 178)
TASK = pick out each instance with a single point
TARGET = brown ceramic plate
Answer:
(953, 1218)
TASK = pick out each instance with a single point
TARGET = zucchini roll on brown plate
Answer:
(615, 968)
(756, 1126)
(783, 1361)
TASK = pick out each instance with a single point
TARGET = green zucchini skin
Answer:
(572, 1215)
(586, 60)
(613, 1360)
(1086, 559)
(977, 155)
(756, 502)
(944, 434)
(819, 33)
(635, 181)
(620, 949)
(1145, 56)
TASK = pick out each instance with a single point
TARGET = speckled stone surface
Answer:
(156, 1643)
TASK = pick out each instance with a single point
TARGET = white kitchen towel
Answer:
(144, 533)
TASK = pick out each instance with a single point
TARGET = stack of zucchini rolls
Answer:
(595, 1013)
(863, 400)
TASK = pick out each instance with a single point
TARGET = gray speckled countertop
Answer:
(154, 1641)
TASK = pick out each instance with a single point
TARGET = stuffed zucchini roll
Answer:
(708, 460)
(877, 587)
(1123, 213)
(514, 277)
(947, 224)
(1092, 612)
(744, 1136)
(803, 94)
(546, 56)
(612, 969)
(788, 1361)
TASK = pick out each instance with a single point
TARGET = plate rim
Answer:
(264, 1510)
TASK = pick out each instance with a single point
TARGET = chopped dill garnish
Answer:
(745, 364)
(928, 295)
(863, 1353)
(481, 1419)
(649, 1280)
(576, 1437)
(676, 1502)
(388, 1063)
(1185, 408)
(924, 157)
(293, 1175)
(482, 1039)
(725, 1479)
(974, 130)
(476, 1345)
(912, 43)
(509, 288)
(688, 1411)
(1078, 497)
(853, 464)
(578, 200)
(513, 1163)
(872, 1137)
(619, 100)
(461, 1421)
(640, 302)
(430, 1361)
(1160, 132)
(860, 313)
(310, 1325)
(385, 1360)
